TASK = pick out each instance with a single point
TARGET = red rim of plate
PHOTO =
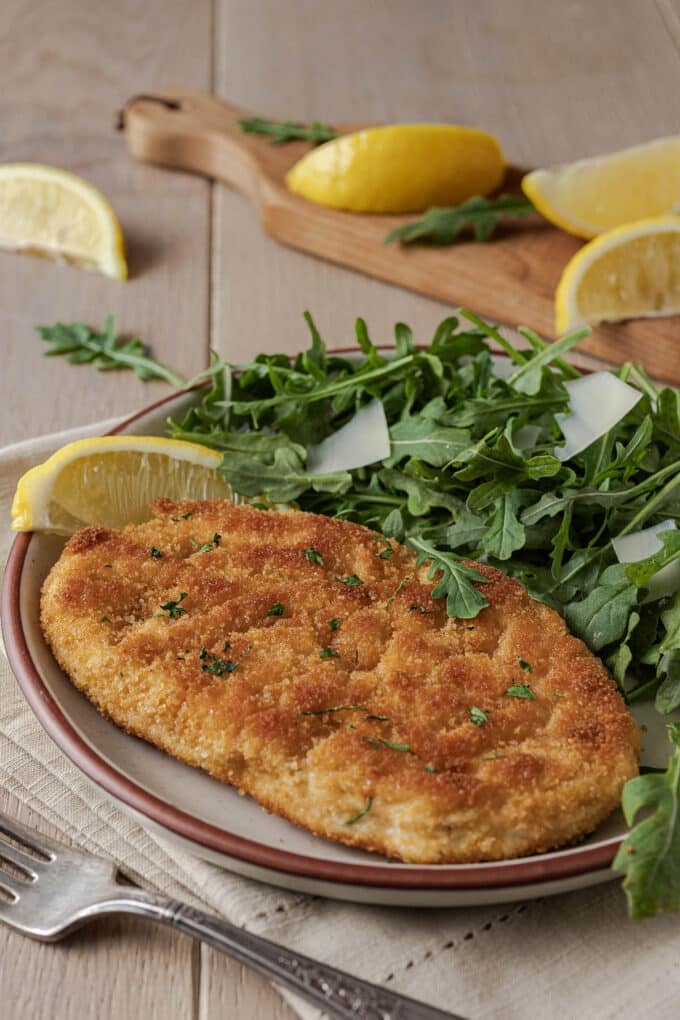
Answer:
(560, 864)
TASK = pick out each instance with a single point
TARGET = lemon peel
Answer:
(632, 271)
(400, 168)
(111, 480)
(56, 214)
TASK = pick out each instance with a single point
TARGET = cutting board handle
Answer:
(511, 280)
(192, 131)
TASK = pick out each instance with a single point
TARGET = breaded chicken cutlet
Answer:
(304, 661)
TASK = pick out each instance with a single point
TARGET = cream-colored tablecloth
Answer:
(573, 956)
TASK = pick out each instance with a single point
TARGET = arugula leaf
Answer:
(649, 855)
(642, 571)
(434, 444)
(468, 530)
(444, 225)
(668, 695)
(81, 345)
(620, 661)
(422, 497)
(504, 534)
(602, 617)
(463, 599)
(282, 481)
(288, 131)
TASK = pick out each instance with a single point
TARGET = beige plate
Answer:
(216, 823)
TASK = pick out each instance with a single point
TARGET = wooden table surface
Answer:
(554, 80)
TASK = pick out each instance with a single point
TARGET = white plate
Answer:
(213, 821)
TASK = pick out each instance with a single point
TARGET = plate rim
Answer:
(564, 863)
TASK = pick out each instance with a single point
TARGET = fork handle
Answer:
(333, 990)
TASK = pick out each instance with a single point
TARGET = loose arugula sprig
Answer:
(649, 856)
(444, 225)
(288, 131)
(81, 345)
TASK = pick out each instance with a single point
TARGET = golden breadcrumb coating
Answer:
(284, 655)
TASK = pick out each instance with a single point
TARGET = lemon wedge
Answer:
(111, 480)
(400, 168)
(51, 212)
(593, 195)
(628, 272)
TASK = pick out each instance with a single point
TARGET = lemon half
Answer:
(111, 480)
(399, 169)
(625, 273)
(593, 195)
(54, 213)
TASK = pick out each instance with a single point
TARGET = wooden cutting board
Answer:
(510, 279)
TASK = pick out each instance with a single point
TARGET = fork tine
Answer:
(19, 859)
(41, 845)
(10, 884)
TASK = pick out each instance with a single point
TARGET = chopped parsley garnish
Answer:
(419, 606)
(104, 619)
(336, 708)
(386, 554)
(396, 747)
(494, 756)
(156, 553)
(478, 716)
(226, 646)
(313, 556)
(173, 608)
(364, 811)
(213, 664)
(379, 718)
(209, 546)
(524, 665)
(351, 581)
(329, 653)
(183, 517)
(400, 587)
(277, 609)
(334, 623)
(429, 768)
(520, 691)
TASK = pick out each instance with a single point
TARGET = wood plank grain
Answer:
(512, 279)
(114, 968)
(230, 990)
(66, 68)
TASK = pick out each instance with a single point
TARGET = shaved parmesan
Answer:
(364, 440)
(596, 403)
(642, 544)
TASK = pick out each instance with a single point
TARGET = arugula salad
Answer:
(569, 483)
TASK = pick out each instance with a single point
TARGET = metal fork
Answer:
(47, 890)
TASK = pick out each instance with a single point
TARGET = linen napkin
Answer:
(570, 956)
